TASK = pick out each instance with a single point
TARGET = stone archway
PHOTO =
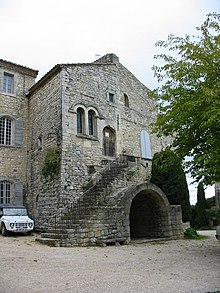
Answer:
(147, 211)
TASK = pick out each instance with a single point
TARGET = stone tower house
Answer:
(15, 81)
(88, 156)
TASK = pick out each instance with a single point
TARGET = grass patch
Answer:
(198, 237)
(191, 233)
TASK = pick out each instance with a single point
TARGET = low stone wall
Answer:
(112, 225)
(176, 221)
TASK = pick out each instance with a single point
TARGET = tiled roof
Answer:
(19, 67)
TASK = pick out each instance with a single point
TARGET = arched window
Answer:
(126, 101)
(80, 120)
(109, 142)
(5, 131)
(5, 192)
(91, 122)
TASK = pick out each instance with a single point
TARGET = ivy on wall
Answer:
(51, 163)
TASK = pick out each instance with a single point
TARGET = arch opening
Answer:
(148, 216)
(109, 141)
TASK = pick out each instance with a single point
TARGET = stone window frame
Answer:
(12, 130)
(3, 73)
(86, 131)
(16, 192)
(16, 131)
(126, 100)
(40, 142)
(80, 120)
(111, 97)
(6, 198)
(95, 116)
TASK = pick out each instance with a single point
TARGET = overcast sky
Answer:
(42, 33)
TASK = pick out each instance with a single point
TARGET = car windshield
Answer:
(15, 212)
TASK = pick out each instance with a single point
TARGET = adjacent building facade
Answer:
(76, 148)
(15, 81)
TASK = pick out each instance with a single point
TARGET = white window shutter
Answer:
(18, 199)
(18, 132)
(145, 145)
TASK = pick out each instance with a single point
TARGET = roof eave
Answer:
(44, 79)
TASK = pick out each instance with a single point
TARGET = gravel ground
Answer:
(165, 266)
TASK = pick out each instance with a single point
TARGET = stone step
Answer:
(54, 235)
(115, 241)
(49, 241)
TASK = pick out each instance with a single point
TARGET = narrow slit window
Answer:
(80, 120)
(126, 100)
(91, 122)
(111, 97)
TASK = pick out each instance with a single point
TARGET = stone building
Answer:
(86, 164)
(15, 81)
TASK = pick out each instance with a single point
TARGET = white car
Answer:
(15, 219)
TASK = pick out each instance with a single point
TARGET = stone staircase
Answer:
(100, 195)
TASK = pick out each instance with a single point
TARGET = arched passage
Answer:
(147, 215)
(148, 212)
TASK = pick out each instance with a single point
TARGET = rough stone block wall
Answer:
(13, 165)
(107, 225)
(47, 118)
(176, 221)
(87, 86)
(44, 133)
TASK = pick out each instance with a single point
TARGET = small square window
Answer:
(111, 97)
(8, 83)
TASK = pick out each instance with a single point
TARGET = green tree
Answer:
(189, 98)
(201, 207)
(213, 215)
(167, 173)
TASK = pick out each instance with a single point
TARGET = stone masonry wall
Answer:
(44, 133)
(14, 157)
(53, 122)
(88, 86)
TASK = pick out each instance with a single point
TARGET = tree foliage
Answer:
(189, 98)
(167, 173)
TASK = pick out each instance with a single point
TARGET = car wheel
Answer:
(4, 231)
(29, 232)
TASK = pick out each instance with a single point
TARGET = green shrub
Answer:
(190, 233)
